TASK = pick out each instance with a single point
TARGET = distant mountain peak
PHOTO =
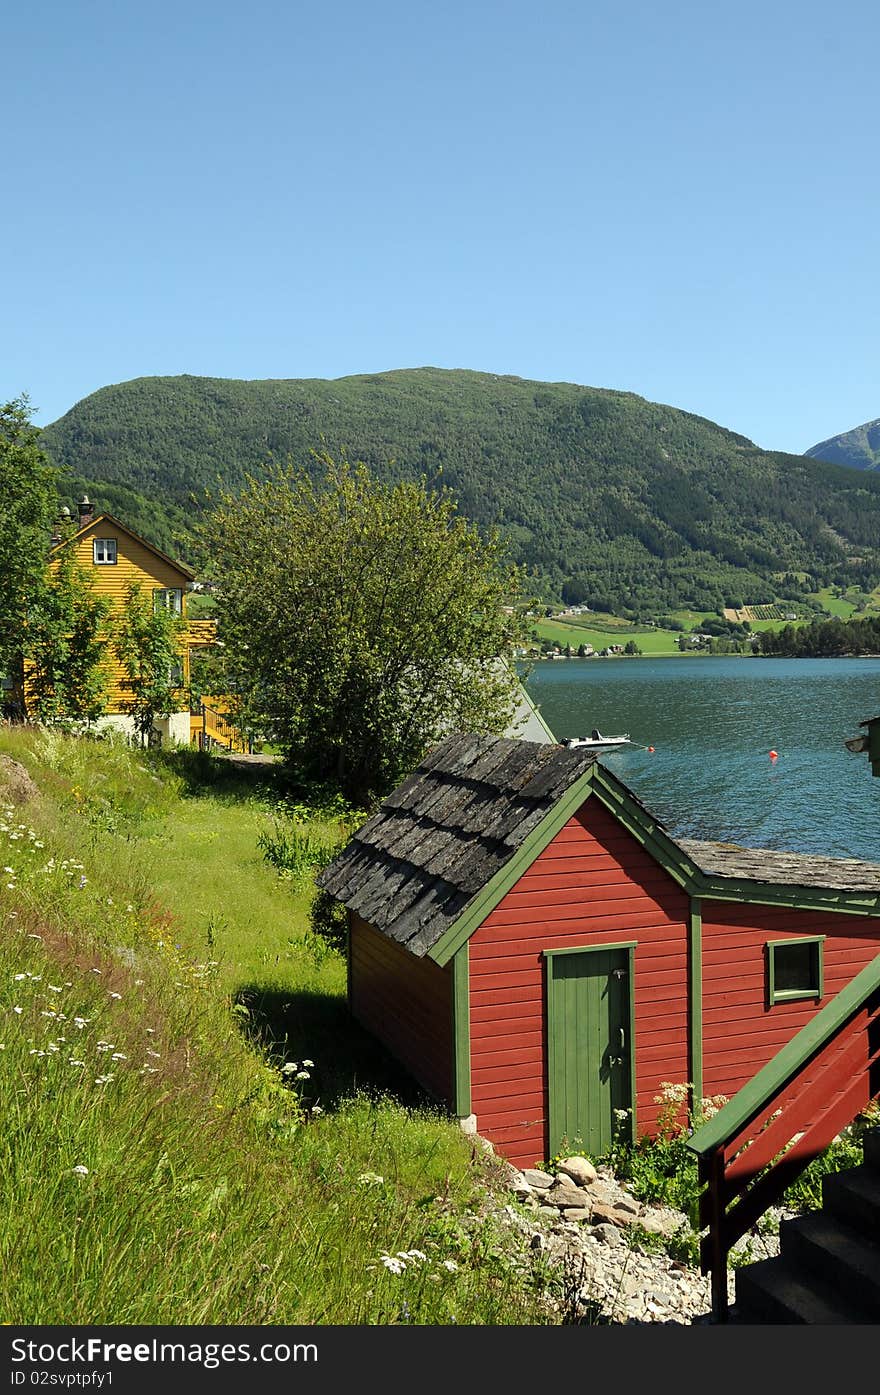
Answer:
(859, 448)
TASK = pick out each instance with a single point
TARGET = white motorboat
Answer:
(596, 740)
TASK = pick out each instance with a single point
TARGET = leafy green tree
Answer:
(148, 646)
(66, 677)
(28, 503)
(362, 620)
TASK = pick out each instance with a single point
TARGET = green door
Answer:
(589, 1037)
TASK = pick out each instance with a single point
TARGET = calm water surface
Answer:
(712, 722)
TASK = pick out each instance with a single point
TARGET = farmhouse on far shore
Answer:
(541, 954)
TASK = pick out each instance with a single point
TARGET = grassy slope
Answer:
(213, 1191)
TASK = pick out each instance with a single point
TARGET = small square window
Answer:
(794, 969)
(104, 552)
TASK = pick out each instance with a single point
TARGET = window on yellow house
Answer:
(104, 552)
(169, 599)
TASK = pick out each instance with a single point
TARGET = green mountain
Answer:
(608, 498)
(859, 448)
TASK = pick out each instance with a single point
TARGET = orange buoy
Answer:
(650, 748)
(774, 755)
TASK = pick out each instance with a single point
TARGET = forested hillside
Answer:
(625, 504)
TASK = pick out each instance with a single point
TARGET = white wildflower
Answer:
(309, 1063)
(80, 1170)
(369, 1179)
(449, 1264)
(392, 1264)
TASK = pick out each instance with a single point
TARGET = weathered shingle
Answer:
(782, 868)
(439, 838)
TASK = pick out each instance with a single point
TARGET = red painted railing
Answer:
(755, 1147)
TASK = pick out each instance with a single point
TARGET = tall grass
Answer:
(158, 1163)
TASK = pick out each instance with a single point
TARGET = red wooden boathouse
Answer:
(542, 954)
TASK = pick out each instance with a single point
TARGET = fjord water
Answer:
(713, 722)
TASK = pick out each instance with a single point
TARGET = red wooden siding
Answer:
(404, 1001)
(740, 1032)
(593, 885)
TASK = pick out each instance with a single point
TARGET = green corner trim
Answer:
(461, 1032)
(460, 931)
(695, 1002)
(786, 1063)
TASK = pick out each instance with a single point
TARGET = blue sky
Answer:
(678, 200)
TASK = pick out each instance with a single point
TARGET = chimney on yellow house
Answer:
(59, 527)
(86, 511)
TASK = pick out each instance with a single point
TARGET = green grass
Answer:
(156, 1163)
(650, 641)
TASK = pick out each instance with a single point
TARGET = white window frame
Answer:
(108, 545)
(162, 599)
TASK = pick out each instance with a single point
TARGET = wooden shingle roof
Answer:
(420, 864)
(782, 868)
(444, 833)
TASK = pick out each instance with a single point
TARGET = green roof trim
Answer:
(647, 831)
(798, 898)
(460, 931)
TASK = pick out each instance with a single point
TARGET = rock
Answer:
(569, 1195)
(580, 1169)
(521, 1189)
(608, 1234)
(612, 1215)
(658, 1223)
(538, 1242)
(577, 1213)
(549, 1211)
(537, 1179)
(629, 1204)
(16, 785)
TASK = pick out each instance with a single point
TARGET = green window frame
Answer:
(782, 985)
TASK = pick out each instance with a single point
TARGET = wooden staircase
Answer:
(828, 1268)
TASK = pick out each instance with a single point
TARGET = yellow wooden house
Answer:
(114, 557)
